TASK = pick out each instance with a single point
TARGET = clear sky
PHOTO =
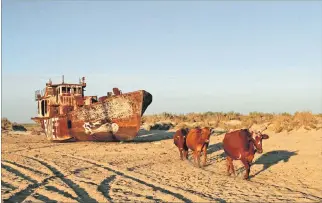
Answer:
(192, 56)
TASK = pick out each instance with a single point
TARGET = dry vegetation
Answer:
(232, 120)
(7, 125)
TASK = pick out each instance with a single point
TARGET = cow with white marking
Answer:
(242, 145)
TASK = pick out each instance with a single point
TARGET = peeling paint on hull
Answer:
(115, 118)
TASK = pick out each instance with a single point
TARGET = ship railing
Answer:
(39, 94)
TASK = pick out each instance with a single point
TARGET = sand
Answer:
(149, 170)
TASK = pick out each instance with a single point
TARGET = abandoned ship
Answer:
(64, 113)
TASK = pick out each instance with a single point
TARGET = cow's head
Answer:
(205, 132)
(184, 131)
(180, 138)
(257, 139)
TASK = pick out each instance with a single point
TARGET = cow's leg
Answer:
(232, 167)
(198, 158)
(204, 155)
(247, 167)
(181, 156)
(185, 154)
(196, 155)
(228, 165)
(194, 158)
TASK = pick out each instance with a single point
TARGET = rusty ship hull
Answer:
(74, 117)
(115, 118)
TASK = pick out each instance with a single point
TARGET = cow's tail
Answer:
(205, 144)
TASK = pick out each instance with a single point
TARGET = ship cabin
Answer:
(59, 99)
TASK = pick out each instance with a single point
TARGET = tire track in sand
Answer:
(306, 195)
(24, 149)
(61, 192)
(43, 198)
(177, 193)
(105, 187)
(23, 194)
(83, 196)
(18, 173)
(8, 185)
(23, 172)
(26, 167)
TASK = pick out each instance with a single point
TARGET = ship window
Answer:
(43, 107)
(63, 90)
(75, 90)
(68, 89)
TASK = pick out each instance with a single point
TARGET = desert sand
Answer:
(149, 169)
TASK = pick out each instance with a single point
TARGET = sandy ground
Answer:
(149, 170)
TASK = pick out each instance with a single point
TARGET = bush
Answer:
(280, 122)
(18, 127)
(5, 124)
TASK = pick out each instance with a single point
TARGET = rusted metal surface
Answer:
(66, 114)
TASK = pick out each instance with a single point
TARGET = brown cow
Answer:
(198, 140)
(179, 139)
(242, 145)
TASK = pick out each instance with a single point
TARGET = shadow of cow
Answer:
(272, 158)
(152, 136)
